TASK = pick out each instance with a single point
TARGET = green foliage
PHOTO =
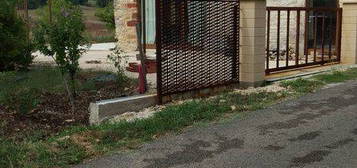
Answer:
(34, 4)
(15, 49)
(103, 3)
(62, 37)
(106, 15)
(116, 58)
(79, 2)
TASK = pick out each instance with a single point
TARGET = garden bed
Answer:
(35, 102)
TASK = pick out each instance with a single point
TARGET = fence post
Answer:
(252, 39)
(349, 32)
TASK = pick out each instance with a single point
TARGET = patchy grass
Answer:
(302, 86)
(78, 143)
(337, 76)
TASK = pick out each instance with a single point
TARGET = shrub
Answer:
(103, 3)
(79, 2)
(15, 49)
(34, 4)
(107, 15)
(117, 59)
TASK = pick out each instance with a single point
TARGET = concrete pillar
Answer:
(252, 42)
(349, 32)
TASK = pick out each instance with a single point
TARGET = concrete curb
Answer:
(103, 110)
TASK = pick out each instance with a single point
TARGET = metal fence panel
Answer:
(197, 44)
(319, 29)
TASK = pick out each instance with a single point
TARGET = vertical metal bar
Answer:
(339, 32)
(187, 28)
(238, 41)
(144, 29)
(287, 37)
(331, 37)
(315, 35)
(268, 41)
(143, 59)
(307, 13)
(235, 43)
(158, 51)
(297, 37)
(278, 41)
(323, 38)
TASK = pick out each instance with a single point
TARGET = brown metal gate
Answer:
(197, 44)
(301, 36)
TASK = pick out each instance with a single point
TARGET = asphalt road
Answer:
(318, 131)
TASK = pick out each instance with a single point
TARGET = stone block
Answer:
(106, 109)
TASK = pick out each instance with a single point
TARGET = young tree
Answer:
(62, 38)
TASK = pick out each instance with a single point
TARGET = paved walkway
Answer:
(317, 130)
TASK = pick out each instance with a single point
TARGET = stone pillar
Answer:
(126, 16)
(349, 32)
(252, 42)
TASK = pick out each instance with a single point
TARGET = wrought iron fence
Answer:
(301, 37)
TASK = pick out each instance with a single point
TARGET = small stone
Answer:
(233, 108)
(64, 138)
(69, 121)
(222, 101)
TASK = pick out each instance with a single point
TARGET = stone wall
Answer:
(126, 16)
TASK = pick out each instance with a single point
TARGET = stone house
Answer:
(126, 16)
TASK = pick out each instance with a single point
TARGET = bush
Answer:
(107, 15)
(15, 49)
(103, 3)
(34, 4)
(79, 2)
